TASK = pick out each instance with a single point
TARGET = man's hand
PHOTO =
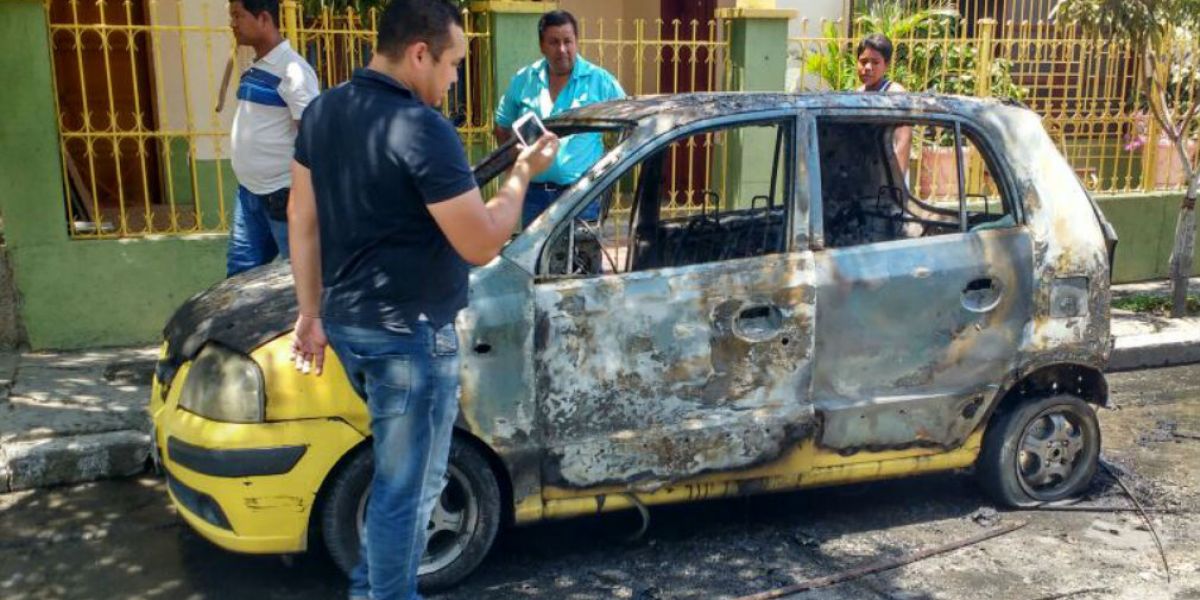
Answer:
(540, 155)
(304, 238)
(308, 345)
(478, 231)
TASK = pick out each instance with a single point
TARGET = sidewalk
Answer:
(71, 417)
(80, 416)
(1146, 341)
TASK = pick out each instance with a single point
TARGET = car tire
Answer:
(463, 526)
(1041, 451)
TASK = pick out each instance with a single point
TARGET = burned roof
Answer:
(681, 109)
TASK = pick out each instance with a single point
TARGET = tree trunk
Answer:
(1185, 244)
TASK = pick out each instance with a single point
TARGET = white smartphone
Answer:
(529, 128)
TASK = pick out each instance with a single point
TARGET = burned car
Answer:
(779, 294)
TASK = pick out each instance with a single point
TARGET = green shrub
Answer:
(929, 54)
(1156, 305)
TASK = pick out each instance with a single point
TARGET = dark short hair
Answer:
(555, 18)
(406, 22)
(877, 42)
(257, 7)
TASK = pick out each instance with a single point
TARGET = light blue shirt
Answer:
(529, 90)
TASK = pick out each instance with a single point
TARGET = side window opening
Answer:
(710, 196)
(986, 207)
(597, 246)
(885, 181)
(600, 247)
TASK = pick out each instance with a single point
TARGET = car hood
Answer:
(248, 309)
(240, 313)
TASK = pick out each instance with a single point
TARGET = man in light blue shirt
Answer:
(558, 82)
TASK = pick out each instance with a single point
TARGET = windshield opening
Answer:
(488, 170)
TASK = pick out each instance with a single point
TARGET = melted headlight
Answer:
(223, 385)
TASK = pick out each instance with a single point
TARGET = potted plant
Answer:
(1168, 170)
(1163, 35)
(929, 64)
(935, 166)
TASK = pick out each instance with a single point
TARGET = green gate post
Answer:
(513, 38)
(758, 42)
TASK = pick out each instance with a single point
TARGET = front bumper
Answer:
(246, 487)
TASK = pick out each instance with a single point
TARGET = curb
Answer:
(72, 459)
(1152, 350)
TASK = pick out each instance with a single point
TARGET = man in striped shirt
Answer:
(272, 94)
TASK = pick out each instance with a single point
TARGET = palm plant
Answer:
(928, 56)
(892, 20)
(833, 62)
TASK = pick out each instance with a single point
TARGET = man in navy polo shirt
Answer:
(385, 216)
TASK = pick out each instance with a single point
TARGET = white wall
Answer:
(807, 24)
(814, 11)
(187, 72)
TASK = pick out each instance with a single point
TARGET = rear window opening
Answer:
(893, 180)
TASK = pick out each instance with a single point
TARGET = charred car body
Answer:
(770, 300)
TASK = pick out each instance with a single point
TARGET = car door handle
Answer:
(757, 322)
(982, 295)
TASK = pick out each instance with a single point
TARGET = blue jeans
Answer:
(538, 199)
(410, 383)
(255, 238)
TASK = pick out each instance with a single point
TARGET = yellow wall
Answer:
(618, 20)
(611, 21)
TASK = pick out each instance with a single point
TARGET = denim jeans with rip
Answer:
(255, 239)
(410, 383)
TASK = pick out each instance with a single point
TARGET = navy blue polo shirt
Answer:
(378, 156)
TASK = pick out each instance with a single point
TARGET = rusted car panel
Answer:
(497, 394)
(745, 369)
(1069, 249)
(240, 313)
(635, 381)
(661, 375)
(905, 355)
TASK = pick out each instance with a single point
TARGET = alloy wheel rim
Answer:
(455, 516)
(1050, 454)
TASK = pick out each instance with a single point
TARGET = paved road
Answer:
(121, 539)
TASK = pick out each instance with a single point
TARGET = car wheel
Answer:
(1040, 451)
(460, 531)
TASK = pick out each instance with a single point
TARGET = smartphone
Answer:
(529, 128)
